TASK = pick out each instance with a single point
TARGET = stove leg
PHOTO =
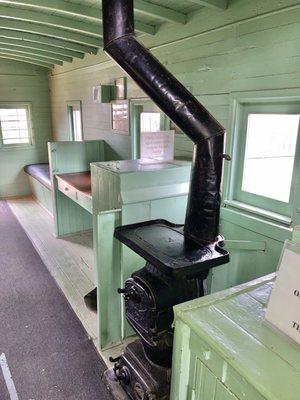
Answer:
(135, 376)
(113, 385)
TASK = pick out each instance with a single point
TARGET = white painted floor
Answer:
(68, 259)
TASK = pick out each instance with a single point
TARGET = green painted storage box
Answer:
(223, 349)
(127, 192)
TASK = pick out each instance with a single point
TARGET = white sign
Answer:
(157, 146)
(283, 310)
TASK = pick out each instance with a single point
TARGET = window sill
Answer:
(269, 215)
(9, 147)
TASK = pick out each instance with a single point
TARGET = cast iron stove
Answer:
(175, 272)
(178, 258)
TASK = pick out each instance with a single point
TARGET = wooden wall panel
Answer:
(21, 82)
(250, 46)
(96, 117)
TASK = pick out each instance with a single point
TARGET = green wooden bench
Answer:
(72, 210)
(40, 184)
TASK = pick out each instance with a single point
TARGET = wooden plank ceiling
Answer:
(50, 32)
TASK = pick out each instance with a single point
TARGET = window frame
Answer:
(136, 107)
(117, 131)
(70, 108)
(16, 105)
(242, 105)
(152, 113)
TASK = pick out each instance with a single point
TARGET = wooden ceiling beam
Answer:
(73, 25)
(219, 4)
(67, 9)
(64, 54)
(62, 46)
(52, 32)
(160, 12)
(35, 57)
(4, 45)
(26, 60)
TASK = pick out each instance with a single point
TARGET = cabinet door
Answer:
(203, 385)
(206, 386)
(222, 393)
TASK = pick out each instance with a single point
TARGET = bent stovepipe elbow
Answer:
(203, 209)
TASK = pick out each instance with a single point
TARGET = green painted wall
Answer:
(20, 82)
(254, 45)
(95, 117)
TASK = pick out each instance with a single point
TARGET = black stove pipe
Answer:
(203, 210)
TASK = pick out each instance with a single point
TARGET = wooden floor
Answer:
(69, 260)
(41, 338)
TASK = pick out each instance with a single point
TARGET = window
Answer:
(270, 155)
(145, 116)
(75, 121)
(120, 117)
(265, 149)
(15, 125)
(150, 122)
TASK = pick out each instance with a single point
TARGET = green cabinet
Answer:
(223, 349)
(127, 192)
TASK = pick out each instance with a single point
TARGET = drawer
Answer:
(78, 197)
(84, 201)
(67, 189)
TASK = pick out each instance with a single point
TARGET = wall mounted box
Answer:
(104, 93)
(121, 88)
(223, 350)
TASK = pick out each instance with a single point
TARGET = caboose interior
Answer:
(149, 199)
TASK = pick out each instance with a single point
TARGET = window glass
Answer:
(14, 126)
(120, 117)
(75, 120)
(77, 126)
(150, 122)
(270, 155)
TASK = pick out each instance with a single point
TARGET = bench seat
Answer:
(40, 172)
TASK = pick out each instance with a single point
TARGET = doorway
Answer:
(145, 117)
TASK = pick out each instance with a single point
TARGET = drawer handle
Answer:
(66, 189)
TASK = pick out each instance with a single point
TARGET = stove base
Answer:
(138, 376)
(114, 386)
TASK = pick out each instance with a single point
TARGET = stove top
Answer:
(163, 244)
